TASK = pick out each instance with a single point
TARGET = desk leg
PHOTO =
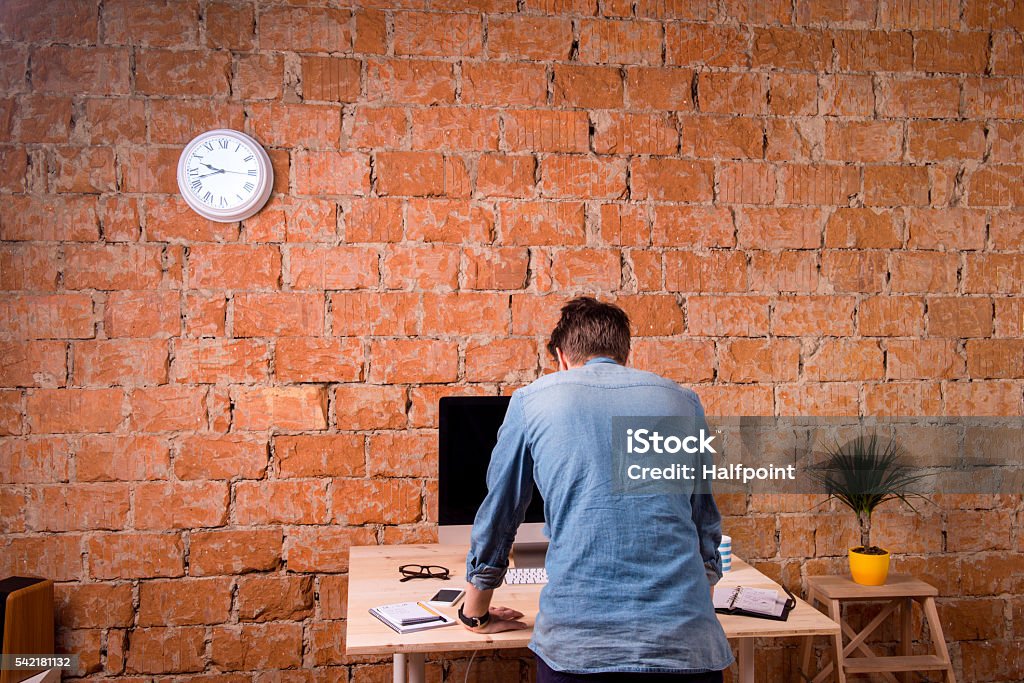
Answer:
(399, 667)
(417, 670)
(746, 663)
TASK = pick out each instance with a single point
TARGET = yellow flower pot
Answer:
(869, 570)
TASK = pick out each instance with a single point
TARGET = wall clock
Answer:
(225, 175)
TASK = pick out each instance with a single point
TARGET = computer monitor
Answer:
(467, 431)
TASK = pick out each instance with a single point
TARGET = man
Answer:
(628, 595)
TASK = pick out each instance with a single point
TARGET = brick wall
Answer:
(806, 207)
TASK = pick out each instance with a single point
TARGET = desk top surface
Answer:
(374, 580)
(896, 586)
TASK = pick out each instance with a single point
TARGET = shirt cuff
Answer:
(484, 577)
(713, 571)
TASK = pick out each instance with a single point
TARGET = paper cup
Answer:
(725, 550)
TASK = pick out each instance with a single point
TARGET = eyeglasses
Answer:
(423, 571)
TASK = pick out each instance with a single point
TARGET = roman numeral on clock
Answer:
(197, 185)
(249, 187)
(223, 144)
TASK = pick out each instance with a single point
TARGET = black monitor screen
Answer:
(467, 431)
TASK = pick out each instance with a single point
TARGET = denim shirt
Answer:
(629, 575)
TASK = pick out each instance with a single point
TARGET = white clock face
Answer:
(224, 175)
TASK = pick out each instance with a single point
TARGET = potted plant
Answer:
(862, 474)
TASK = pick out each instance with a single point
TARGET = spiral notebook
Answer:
(409, 617)
(763, 603)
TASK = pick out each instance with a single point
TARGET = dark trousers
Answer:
(545, 674)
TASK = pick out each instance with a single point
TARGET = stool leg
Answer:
(806, 648)
(834, 611)
(906, 634)
(932, 615)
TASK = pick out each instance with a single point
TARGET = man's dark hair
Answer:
(590, 328)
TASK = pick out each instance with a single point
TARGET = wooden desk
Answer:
(374, 580)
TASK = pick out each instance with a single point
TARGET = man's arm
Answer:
(509, 490)
(705, 514)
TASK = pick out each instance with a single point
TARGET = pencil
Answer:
(440, 616)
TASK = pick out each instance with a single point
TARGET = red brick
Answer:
(396, 361)
(371, 31)
(995, 96)
(727, 316)
(76, 23)
(165, 72)
(35, 461)
(813, 316)
(378, 127)
(330, 79)
(982, 398)
(204, 315)
(546, 131)
(167, 408)
(410, 81)
(112, 266)
(33, 364)
(902, 398)
(623, 133)
(994, 186)
(746, 183)
(120, 458)
(331, 173)
(583, 176)
(77, 507)
(83, 169)
(864, 141)
(437, 34)
(57, 411)
(234, 552)
(294, 407)
(529, 37)
(451, 128)
(626, 225)
(259, 77)
(161, 506)
(956, 52)
(846, 95)
(828, 399)
(55, 557)
(874, 51)
(366, 313)
(74, 70)
(174, 221)
(819, 184)
(13, 166)
(682, 360)
(786, 48)
(120, 362)
(779, 228)
(334, 455)
(995, 358)
(946, 229)
(960, 317)
(733, 93)
(176, 121)
(496, 268)
(1009, 317)
(923, 359)
(315, 359)
(500, 360)
(374, 220)
(619, 42)
(182, 602)
(332, 268)
(135, 555)
(896, 186)
(922, 271)
(278, 314)
(465, 313)
(502, 83)
(421, 174)
(55, 218)
(281, 502)
(845, 359)
(449, 221)
(714, 271)
(161, 24)
(919, 97)
(587, 87)
(421, 267)
(324, 549)
(404, 454)
(269, 598)
(271, 646)
(721, 137)
(542, 223)
(376, 501)
(95, 605)
(142, 314)
(586, 269)
(891, 316)
(849, 228)
(1006, 142)
(295, 125)
(949, 140)
(756, 360)
(316, 29)
(693, 226)
(225, 457)
(671, 180)
(707, 44)
(229, 26)
(212, 361)
(369, 407)
(11, 413)
(650, 315)
(854, 271)
(659, 88)
(167, 650)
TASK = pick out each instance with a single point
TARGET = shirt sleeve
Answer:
(509, 490)
(704, 511)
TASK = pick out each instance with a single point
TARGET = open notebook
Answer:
(763, 603)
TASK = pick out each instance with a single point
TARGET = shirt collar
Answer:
(600, 359)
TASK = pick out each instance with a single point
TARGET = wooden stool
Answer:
(899, 592)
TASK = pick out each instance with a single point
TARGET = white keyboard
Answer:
(526, 575)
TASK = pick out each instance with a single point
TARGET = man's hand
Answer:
(502, 619)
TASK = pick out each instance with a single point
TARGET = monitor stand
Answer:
(529, 555)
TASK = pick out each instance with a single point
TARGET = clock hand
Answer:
(206, 175)
(212, 168)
